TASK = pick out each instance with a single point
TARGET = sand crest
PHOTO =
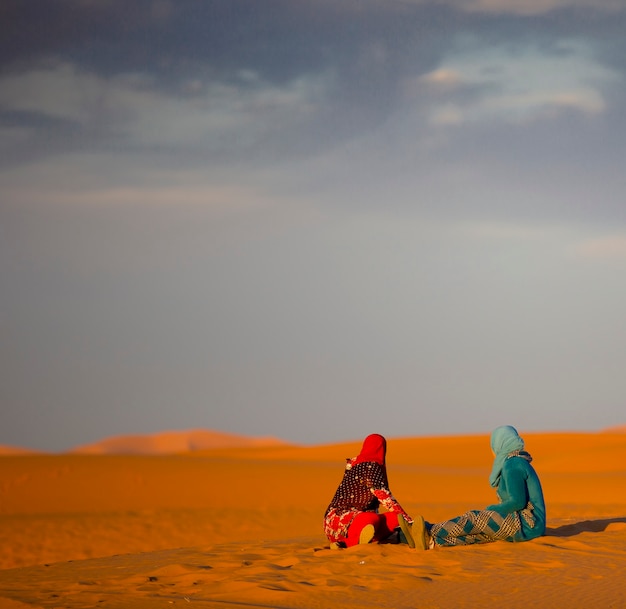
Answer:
(241, 527)
(172, 442)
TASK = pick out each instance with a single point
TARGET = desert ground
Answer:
(148, 524)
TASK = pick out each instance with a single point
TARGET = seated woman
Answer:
(519, 516)
(352, 517)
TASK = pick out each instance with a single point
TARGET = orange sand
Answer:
(241, 527)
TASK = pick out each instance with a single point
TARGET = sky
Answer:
(311, 219)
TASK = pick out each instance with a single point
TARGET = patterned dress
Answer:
(475, 526)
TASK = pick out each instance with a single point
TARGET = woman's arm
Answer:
(390, 503)
(376, 481)
(513, 489)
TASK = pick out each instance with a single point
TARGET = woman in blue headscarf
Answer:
(519, 516)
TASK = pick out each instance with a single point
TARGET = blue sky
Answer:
(311, 219)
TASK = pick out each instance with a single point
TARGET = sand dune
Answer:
(171, 442)
(618, 429)
(16, 450)
(241, 527)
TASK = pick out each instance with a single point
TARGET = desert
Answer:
(210, 520)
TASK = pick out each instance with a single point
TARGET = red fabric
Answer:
(384, 525)
(374, 449)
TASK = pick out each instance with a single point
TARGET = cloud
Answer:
(443, 78)
(527, 7)
(76, 109)
(537, 7)
(480, 114)
(476, 82)
(608, 247)
(58, 90)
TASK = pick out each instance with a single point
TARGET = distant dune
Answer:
(175, 442)
(16, 450)
(171, 442)
(618, 429)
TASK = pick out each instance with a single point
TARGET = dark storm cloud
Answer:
(280, 39)
(185, 47)
(283, 39)
(288, 80)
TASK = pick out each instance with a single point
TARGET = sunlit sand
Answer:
(241, 526)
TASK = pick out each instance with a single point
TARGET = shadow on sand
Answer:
(584, 526)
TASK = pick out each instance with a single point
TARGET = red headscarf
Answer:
(374, 449)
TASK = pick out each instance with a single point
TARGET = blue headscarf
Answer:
(504, 441)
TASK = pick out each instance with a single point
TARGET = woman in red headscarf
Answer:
(352, 517)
